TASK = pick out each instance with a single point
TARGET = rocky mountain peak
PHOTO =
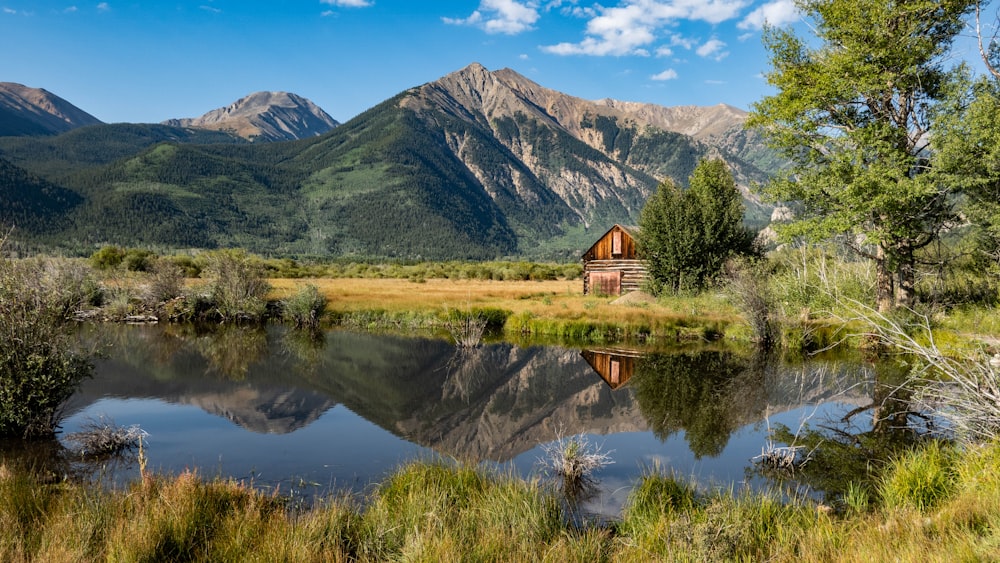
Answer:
(699, 122)
(505, 92)
(266, 116)
(34, 111)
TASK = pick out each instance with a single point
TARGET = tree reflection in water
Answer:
(708, 394)
(231, 349)
(851, 452)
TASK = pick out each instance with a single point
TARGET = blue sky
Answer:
(126, 60)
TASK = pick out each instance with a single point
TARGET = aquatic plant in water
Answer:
(574, 460)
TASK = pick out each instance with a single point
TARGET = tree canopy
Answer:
(687, 236)
(853, 111)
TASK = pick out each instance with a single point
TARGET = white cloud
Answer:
(627, 29)
(777, 13)
(7, 10)
(664, 51)
(348, 3)
(211, 9)
(713, 48)
(103, 7)
(669, 74)
(70, 10)
(509, 17)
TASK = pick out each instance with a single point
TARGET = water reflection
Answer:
(343, 408)
(850, 450)
(614, 365)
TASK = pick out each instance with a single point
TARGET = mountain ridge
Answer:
(477, 164)
(265, 116)
(35, 111)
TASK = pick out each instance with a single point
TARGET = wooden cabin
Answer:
(615, 366)
(611, 266)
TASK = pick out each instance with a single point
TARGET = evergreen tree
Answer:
(687, 236)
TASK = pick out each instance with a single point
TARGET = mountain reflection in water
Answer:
(343, 408)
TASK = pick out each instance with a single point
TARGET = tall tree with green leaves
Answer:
(853, 113)
(687, 235)
(966, 146)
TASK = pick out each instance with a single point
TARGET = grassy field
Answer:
(541, 308)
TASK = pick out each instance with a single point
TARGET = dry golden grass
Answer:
(558, 299)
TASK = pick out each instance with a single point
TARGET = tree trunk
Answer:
(883, 282)
(905, 293)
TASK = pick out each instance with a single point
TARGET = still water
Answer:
(338, 411)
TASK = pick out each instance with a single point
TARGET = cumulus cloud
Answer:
(669, 74)
(103, 7)
(509, 17)
(348, 3)
(630, 27)
(777, 13)
(713, 48)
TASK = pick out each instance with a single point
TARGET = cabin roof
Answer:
(631, 230)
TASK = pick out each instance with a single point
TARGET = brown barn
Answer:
(611, 266)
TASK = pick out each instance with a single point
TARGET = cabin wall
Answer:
(632, 273)
(612, 263)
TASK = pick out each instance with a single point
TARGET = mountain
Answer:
(265, 116)
(477, 164)
(33, 204)
(33, 111)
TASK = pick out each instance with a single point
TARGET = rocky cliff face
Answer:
(265, 116)
(33, 111)
(595, 156)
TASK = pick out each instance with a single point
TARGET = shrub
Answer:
(39, 370)
(747, 286)
(107, 258)
(238, 287)
(166, 281)
(138, 260)
(305, 307)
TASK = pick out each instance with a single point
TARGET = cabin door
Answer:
(606, 283)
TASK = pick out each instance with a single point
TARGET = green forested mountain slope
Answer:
(31, 204)
(475, 165)
(58, 156)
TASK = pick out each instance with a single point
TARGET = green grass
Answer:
(936, 503)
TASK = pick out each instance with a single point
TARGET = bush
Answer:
(107, 258)
(304, 308)
(39, 370)
(166, 281)
(238, 287)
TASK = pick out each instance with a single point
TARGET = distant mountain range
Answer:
(266, 116)
(476, 164)
(33, 111)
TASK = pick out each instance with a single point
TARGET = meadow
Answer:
(541, 309)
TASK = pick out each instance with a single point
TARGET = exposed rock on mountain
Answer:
(265, 116)
(33, 111)
(474, 165)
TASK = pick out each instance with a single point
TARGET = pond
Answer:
(308, 415)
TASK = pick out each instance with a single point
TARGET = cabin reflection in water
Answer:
(614, 365)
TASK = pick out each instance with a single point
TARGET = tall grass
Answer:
(436, 511)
